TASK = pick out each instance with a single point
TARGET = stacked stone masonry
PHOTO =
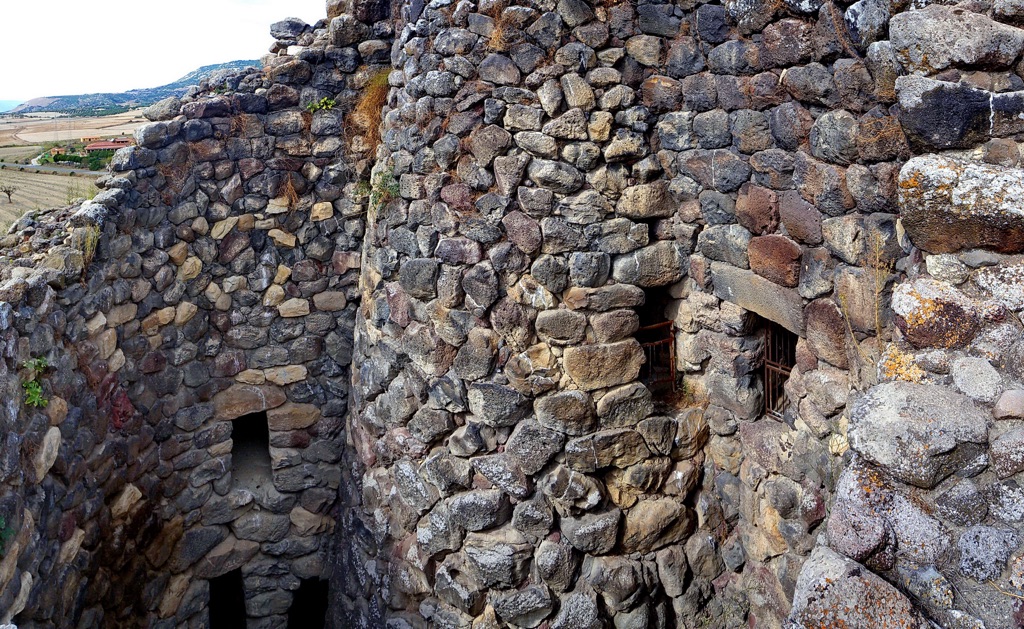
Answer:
(442, 327)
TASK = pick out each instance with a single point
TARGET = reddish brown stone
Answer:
(661, 94)
(766, 91)
(805, 358)
(344, 261)
(826, 332)
(801, 219)
(700, 270)
(1002, 152)
(523, 231)
(152, 362)
(398, 303)
(788, 42)
(457, 195)
(757, 209)
(249, 167)
(775, 258)
(880, 137)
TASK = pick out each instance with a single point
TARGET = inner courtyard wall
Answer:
(421, 240)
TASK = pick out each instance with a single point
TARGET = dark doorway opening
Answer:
(250, 451)
(657, 338)
(309, 607)
(227, 601)
(779, 359)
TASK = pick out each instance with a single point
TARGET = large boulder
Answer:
(833, 591)
(941, 115)
(939, 37)
(918, 433)
(934, 314)
(948, 205)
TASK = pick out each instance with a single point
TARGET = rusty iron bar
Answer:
(779, 358)
(654, 371)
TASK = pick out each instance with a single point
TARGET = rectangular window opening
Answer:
(657, 338)
(779, 359)
(250, 452)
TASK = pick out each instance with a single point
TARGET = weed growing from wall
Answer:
(324, 103)
(33, 388)
(384, 189)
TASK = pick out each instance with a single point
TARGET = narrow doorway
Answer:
(309, 607)
(779, 359)
(250, 452)
(227, 601)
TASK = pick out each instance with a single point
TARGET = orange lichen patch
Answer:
(898, 365)
(880, 605)
(933, 314)
(911, 181)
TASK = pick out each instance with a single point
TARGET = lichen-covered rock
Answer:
(918, 433)
(833, 591)
(984, 551)
(934, 314)
(1004, 283)
(937, 37)
(948, 205)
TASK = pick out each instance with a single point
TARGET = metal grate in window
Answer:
(779, 358)
(659, 347)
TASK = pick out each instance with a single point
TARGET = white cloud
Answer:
(57, 47)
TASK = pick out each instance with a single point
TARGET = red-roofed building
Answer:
(102, 146)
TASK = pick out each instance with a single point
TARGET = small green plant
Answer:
(5, 535)
(33, 388)
(363, 188)
(323, 103)
(385, 188)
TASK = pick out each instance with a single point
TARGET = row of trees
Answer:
(93, 161)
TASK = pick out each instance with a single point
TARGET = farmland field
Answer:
(36, 191)
(39, 128)
(11, 154)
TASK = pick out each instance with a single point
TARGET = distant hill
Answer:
(100, 104)
(7, 105)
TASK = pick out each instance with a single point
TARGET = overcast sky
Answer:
(59, 47)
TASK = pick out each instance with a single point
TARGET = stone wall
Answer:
(550, 176)
(214, 277)
(561, 162)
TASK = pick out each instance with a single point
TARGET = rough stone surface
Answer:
(833, 590)
(948, 205)
(918, 433)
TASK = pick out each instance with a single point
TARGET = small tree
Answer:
(8, 189)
